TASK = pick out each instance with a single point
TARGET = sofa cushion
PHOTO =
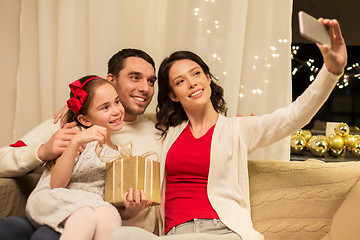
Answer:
(14, 193)
(297, 200)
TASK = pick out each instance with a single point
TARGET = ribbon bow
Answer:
(125, 150)
(146, 175)
(76, 102)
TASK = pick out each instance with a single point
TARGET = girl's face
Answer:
(190, 85)
(105, 109)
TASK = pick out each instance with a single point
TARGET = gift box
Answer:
(137, 172)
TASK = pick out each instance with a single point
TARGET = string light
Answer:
(257, 91)
(351, 72)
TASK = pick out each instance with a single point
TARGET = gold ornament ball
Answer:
(331, 135)
(317, 137)
(336, 152)
(298, 132)
(297, 144)
(350, 141)
(306, 134)
(336, 142)
(318, 146)
(342, 129)
(356, 150)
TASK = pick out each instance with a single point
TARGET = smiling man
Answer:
(135, 84)
(132, 72)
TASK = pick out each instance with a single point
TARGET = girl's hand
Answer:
(134, 203)
(335, 58)
(94, 133)
(62, 170)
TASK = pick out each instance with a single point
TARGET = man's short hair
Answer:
(116, 62)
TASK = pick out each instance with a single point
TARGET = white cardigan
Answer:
(234, 138)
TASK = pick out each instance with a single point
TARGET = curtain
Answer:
(245, 43)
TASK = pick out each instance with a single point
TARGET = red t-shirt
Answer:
(187, 168)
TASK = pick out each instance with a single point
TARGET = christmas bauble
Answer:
(297, 144)
(356, 150)
(306, 134)
(298, 132)
(336, 142)
(336, 152)
(342, 129)
(350, 141)
(318, 146)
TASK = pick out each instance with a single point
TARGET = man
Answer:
(132, 72)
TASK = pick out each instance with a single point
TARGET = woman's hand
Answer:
(335, 58)
(60, 114)
(134, 203)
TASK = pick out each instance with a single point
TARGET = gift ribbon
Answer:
(125, 150)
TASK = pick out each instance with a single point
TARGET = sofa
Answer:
(294, 200)
(297, 200)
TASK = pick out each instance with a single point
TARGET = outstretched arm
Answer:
(335, 58)
(274, 126)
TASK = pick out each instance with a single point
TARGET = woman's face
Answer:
(190, 85)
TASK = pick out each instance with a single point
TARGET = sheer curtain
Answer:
(245, 43)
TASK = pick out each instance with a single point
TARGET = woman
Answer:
(204, 158)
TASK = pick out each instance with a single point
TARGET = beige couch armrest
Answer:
(297, 200)
(14, 193)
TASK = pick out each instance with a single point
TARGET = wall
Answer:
(347, 12)
(9, 44)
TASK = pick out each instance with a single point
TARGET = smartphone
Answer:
(313, 30)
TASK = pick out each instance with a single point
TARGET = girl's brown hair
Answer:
(71, 116)
(89, 88)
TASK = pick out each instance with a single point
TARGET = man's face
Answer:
(135, 86)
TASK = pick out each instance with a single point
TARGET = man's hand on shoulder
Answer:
(239, 115)
(57, 144)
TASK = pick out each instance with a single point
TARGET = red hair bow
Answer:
(76, 102)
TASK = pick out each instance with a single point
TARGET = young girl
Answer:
(70, 196)
(205, 186)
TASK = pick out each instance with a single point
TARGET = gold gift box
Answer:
(135, 172)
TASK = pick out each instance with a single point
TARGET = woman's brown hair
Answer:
(170, 113)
